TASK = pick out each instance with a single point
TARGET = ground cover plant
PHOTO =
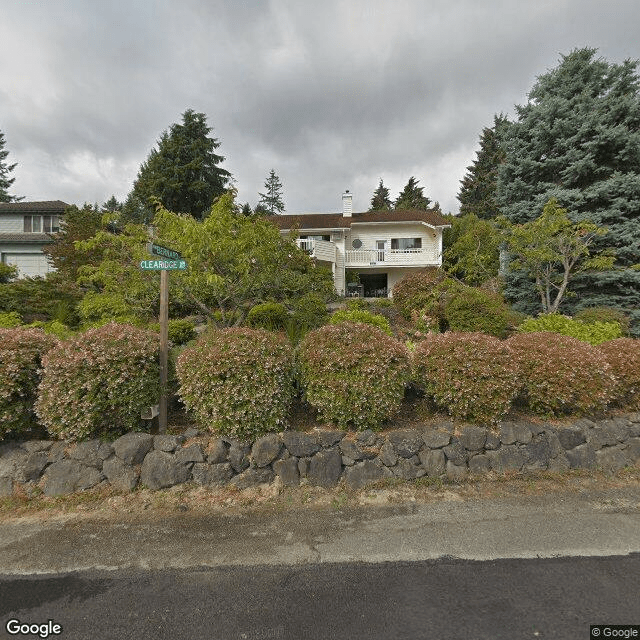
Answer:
(238, 381)
(353, 374)
(97, 382)
(623, 356)
(472, 376)
(21, 353)
(593, 332)
(561, 375)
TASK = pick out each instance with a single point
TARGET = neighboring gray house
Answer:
(25, 228)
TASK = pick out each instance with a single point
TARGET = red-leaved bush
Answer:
(97, 382)
(561, 375)
(238, 381)
(471, 375)
(353, 374)
(623, 356)
(21, 352)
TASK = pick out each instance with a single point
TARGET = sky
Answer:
(332, 95)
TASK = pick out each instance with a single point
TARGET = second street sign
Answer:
(159, 265)
(157, 250)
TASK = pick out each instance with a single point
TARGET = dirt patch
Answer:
(107, 503)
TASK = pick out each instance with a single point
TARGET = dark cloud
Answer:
(331, 95)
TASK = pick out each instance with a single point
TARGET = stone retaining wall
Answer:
(321, 457)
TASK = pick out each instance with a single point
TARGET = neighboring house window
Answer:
(326, 238)
(38, 224)
(406, 243)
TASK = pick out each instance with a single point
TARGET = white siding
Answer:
(11, 223)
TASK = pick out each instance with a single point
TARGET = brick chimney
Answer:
(347, 204)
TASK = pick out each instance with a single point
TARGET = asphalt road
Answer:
(440, 599)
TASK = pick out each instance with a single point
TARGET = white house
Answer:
(380, 246)
(25, 228)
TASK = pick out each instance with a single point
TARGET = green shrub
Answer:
(310, 310)
(358, 304)
(97, 383)
(471, 375)
(590, 315)
(10, 319)
(179, 330)
(561, 375)
(426, 292)
(623, 356)
(353, 374)
(361, 316)
(594, 332)
(271, 316)
(21, 353)
(238, 381)
(54, 327)
(477, 310)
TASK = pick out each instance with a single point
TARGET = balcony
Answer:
(318, 249)
(392, 257)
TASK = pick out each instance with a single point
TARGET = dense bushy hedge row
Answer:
(476, 310)
(98, 382)
(561, 375)
(361, 316)
(21, 353)
(353, 374)
(623, 356)
(471, 375)
(593, 332)
(238, 381)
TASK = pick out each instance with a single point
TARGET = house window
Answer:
(37, 224)
(406, 243)
(326, 238)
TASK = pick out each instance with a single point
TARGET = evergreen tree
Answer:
(5, 170)
(478, 187)
(381, 200)
(272, 199)
(182, 172)
(578, 139)
(246, 210)
(412, 197)
(111, 205)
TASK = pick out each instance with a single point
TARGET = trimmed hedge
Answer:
(477, 310)
(268, 315)
(362, 316)
(623, 356)
(590, 315)
(97, 383)
(21, 353)
(353, 374)
(238, 381)
(471, 375)
(561, 375)
(593, 332)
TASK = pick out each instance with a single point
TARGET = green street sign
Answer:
(159, 265)
(163, 252)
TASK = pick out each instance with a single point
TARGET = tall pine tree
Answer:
(381, 199)
(578, 139)
(182, 172)
(272, 199)
(412, 197)
(478, 187)
(5, 170)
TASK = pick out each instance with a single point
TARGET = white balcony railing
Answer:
(398, 257)
(319, 249)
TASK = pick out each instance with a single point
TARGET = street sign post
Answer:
(170, 261)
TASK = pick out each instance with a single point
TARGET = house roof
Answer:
(44, 206)
(26, 238)
(338, 221)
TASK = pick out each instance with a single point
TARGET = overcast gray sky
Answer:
(333, 95)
